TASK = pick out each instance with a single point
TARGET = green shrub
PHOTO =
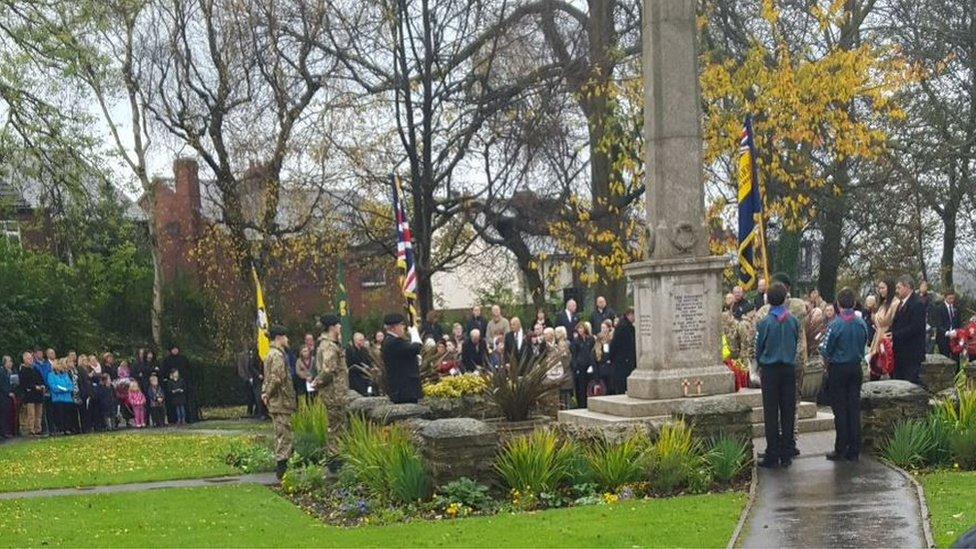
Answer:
(384, 461)
(613, 465)
(908, 445)
(963, 447)
(535, 464)
(250, 457)
(673, 458)
(727, 458)
(311, 429)
(941, 431)
(305, 479)
(467, 493)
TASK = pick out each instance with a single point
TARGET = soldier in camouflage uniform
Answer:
(278, 394)
(332, 380)
(730, 329)
(797, 308)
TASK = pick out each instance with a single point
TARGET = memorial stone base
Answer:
(678, 304)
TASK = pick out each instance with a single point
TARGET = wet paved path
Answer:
(265, 479)
(819, 503)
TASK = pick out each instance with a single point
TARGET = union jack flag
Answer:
(404, 256)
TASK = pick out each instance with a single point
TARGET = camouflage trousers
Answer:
(800, 368)
(336, 410)
(284, 437)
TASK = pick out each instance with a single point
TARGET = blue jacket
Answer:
(777, 336)
(846, 337)
(45, 368)
(61, 386)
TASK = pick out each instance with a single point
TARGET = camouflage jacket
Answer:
(731, 331)
(278, 386)
(332, 381)
(798, 308)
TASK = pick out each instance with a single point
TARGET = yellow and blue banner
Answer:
(752, 247)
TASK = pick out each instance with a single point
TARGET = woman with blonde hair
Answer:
(560, 357)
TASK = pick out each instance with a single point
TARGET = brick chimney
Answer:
(187, 185)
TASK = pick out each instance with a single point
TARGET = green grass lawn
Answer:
(115, 458)
(951, 497)
(250, 516)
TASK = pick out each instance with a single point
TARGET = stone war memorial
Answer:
(678, 290)
(384, 274)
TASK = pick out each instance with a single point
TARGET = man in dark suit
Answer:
(359, 362)
(601, 313)
(623, 353)
(474, 352)
(476, 322)
(400, 358)
(759, 299)
(569, 319)
(946, 318)
(908, 332)
(517, 342)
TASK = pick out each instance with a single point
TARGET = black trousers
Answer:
(248, 397)
(65, 417)
(581, 380)
(845, 400)
(779, 409)
(6, 415)
(158, 415)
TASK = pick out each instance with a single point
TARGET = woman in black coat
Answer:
(584, 361)
(623, 353)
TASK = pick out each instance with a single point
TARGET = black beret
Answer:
(782, 278)
(329, 321)
(276, 331)
(393, 319)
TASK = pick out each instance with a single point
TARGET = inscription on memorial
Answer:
(688, 323)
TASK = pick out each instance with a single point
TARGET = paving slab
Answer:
(819, 503)
(265, 479)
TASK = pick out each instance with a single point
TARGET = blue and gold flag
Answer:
(752, 249)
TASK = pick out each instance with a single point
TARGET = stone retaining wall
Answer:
(886, 403)
(459, 447)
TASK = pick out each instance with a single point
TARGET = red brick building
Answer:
(183, 214)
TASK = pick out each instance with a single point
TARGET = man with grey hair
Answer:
(474, 354)
(908, 332)
(359, 362)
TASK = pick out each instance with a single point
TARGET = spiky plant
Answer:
(520, 385)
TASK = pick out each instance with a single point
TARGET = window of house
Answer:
(374, 278)
(11, 232)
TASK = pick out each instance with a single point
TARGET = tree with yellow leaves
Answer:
(821, 93)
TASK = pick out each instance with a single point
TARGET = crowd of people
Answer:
(890, 330)
(587, 357)
(47, 395)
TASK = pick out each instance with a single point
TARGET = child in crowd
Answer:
(137, 401)
(108, 405)
(157, 401)
(176, 388)
(777, 337)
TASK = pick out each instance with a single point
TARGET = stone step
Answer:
(823, 421)
(806, 410)
(583, 416)
(625, 406)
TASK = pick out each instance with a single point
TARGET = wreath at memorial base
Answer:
(740, 371)
(965, 340)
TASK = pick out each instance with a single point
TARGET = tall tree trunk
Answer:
(786, 258)
(156, 314)
(947, 263)
(832, 226)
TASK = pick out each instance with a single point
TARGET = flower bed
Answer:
(383, 478)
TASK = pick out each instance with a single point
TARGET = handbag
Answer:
(595, 388)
